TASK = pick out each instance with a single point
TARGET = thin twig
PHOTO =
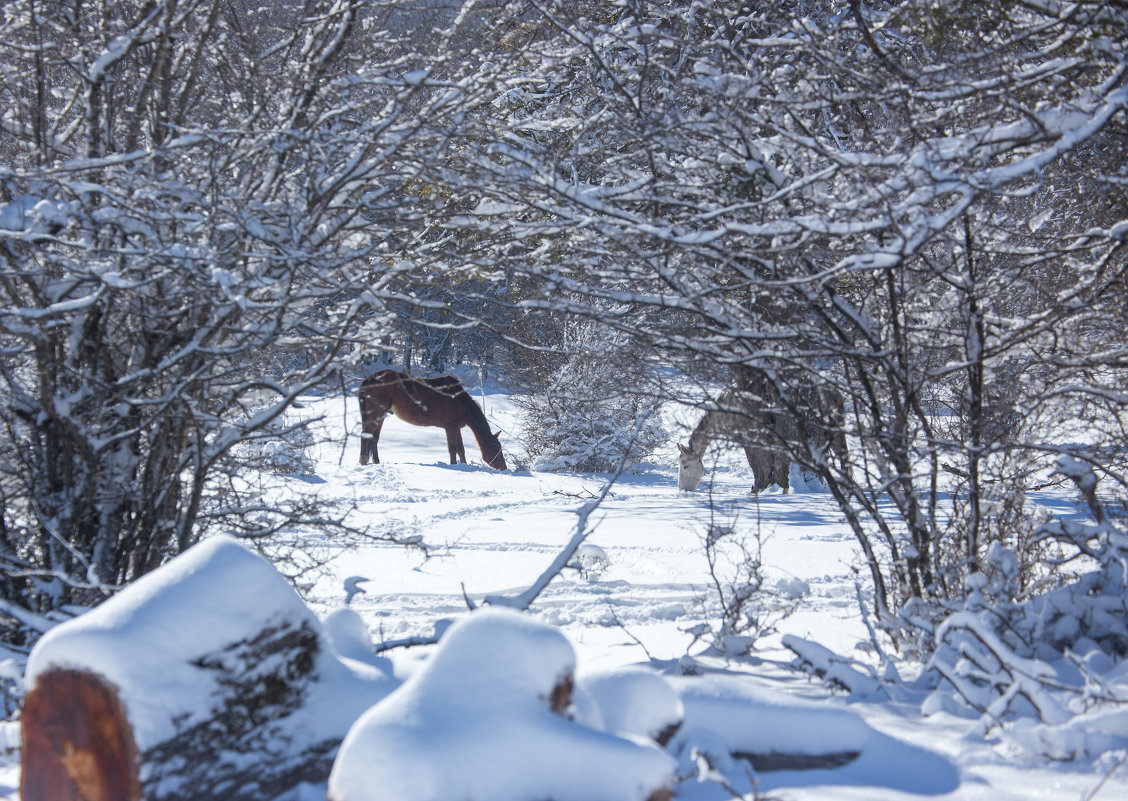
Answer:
(627, 631)
(1106, 777)
(581, 495)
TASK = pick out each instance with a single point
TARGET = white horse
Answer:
(756, 420)
(691, 467)
(769, 466)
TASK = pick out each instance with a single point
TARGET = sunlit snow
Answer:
(630, 629)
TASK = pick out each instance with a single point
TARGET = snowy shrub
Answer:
(285, 456)
(740, 608)
(590, 561)
(584, 420)
(1048, 659)
(594, 438)
(282, 449)
(856, 678)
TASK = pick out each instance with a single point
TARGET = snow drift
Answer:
(482, 720)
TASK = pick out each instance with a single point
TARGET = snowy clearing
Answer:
(634, 599)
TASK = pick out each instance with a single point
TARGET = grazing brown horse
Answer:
(441, 402)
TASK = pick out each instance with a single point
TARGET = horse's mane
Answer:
(475, 417)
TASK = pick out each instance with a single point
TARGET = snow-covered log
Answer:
(727, 721)
(731, 726)
(820, 661)
(208, 678)
(629, 701)
(483, 719)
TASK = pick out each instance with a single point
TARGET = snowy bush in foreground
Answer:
(739, 608)
(481, 720)
(1052, 662)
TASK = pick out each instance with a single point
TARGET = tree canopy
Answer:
(896, 224)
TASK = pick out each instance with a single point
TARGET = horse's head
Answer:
(691, 468)
(491, 451)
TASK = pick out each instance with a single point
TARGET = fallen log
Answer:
(209, 678)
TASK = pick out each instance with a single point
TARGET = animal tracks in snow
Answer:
(491, 532)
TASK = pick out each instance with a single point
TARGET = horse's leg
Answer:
(760, 479)
(365, 443)
(783, 472)
(369, 437)
(364, 418)
(375, 440)
(454, 444)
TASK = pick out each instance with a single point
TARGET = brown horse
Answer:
(441, 402)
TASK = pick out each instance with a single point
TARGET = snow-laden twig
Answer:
(30, 620)
(412, 642)
(622, 627)
(833, 668)
(525, 599)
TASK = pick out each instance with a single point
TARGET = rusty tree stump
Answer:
(77, 744)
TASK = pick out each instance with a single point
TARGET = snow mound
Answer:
(1086, 736)
(477, 721)
(804, 482)
(635, 702)
(349, 638)
(591, 561)
(792, 587)
(729, 725)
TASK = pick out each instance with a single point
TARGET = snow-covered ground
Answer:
(493, 533)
